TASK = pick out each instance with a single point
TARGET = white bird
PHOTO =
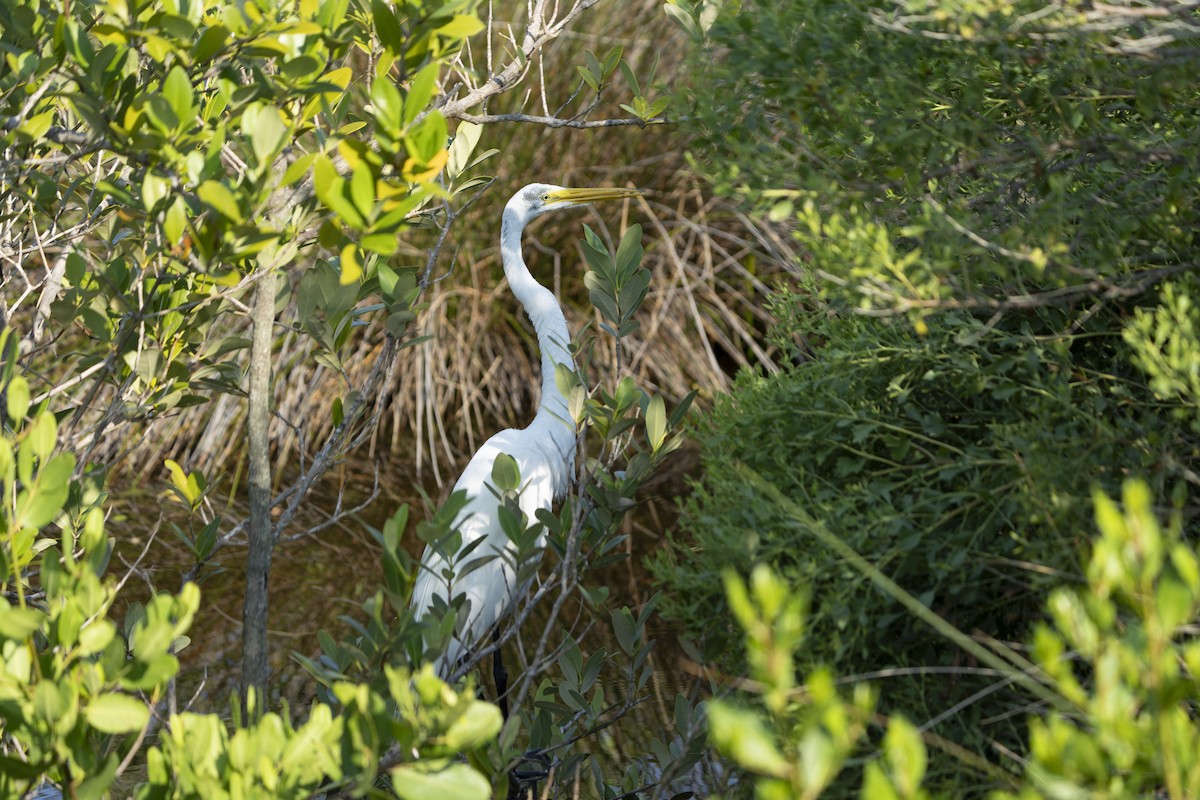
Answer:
(544, 451)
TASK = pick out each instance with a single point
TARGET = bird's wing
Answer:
(490, 588)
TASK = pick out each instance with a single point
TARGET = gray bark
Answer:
(255, 666)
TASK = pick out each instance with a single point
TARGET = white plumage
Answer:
(544, 451)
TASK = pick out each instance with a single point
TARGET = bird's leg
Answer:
(522, 783)
(500, 675)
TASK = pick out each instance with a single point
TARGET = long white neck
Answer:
(550, 325)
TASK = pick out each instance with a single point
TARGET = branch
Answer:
(255, 667)
(334, 445)
(1108, 289)
(50, 289)
(559, 122)
(536, 35)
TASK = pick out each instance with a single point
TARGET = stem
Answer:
(255, 667)
(1022, 673)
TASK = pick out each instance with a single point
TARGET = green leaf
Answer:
(188, 488)
(18, 399)
(593, 64)
(217, 196)
(117, 713)
(160, 113)
(420, 92)
(630, 78)
(175, 221)
(656, 422)
(427, 138)
(387, 28)
(466, 136)
(506, 475)
(629, 252)
(35, 127)
(177, 91)
(95, 637)
(658, 107)
(426, 780)
(267, 133)
(1174, 602)
(383, 243)
(154, 188)
(97, 783)
(325, 176)
(329, 187)
(42, 434)
(477, 726)
(876, 786)
(683, 19)
(905, 755)
(461, 26)
(389, 108)
(362, 190)
(589, 77)
(611, 59)
(351, 268)
(297, 169)
(302, 68)
(741, 735)
(18, 623)
(7, 461)
(47, 702)
(625, 630)
(209, 43)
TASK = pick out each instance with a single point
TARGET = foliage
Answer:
(162, 161)
(1122, 650)
(79, 693)
(810, 732)
(992, 155)
(920, 455)
(68, 667)
(802, 736)
(1165, 343)
(992, 314)
(564, 693)
(1118, 656)
(165, 160)
(178, 176)
(76, 685)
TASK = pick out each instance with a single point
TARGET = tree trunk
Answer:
(255, 667)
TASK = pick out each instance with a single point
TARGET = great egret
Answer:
(544, 451)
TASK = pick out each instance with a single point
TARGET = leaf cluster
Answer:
(76, 687)
(796, 739)
(1120, 649)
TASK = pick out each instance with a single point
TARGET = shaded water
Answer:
(317, 579)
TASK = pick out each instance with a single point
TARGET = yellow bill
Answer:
(585, 196)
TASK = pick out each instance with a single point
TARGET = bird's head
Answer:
(541, 198)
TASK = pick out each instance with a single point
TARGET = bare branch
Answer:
(537, 35)
(559, 122)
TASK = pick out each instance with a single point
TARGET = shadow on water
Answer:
(317, 580)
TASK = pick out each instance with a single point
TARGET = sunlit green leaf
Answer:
(425, 780)
(506, 475)
(117, 713)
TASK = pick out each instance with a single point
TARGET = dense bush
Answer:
(996, 213)
(974, 154)
(963, 472)
(1116, 669)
